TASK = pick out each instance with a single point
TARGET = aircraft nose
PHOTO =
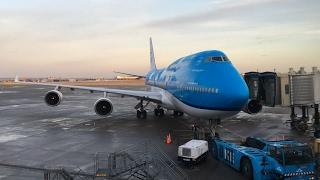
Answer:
(237, 96)
(242, 95)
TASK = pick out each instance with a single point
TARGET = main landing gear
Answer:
(159, 112)
(141, 112)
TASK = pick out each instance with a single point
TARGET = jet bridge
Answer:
(264, 87)
(305, 95)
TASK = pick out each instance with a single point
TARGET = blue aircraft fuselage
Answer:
(206, 80)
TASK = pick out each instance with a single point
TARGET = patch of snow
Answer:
(8, 92)
(10, 137)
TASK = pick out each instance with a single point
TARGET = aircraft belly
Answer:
(196, 112)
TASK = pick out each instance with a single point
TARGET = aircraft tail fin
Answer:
(152, 59)
(16, 79)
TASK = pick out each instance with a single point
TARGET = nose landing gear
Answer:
(213, 123)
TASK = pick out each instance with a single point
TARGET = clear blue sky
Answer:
(91, 38)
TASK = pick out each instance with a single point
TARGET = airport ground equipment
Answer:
(49, 173)
(193, 151)
(144, 161)
(141, 161)
(305, 95)
(261, 159)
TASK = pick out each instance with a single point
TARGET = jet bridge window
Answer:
(218, 58)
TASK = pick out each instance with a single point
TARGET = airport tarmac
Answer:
(33, 134)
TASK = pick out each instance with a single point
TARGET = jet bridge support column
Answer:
(300, 123)
(305, 113)
(316, 118)
(316, 115)
(293, 114)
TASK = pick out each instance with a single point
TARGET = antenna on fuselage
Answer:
(152, 59)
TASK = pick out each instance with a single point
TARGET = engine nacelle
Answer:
(103, 107)
(253, 106)
(53, 98)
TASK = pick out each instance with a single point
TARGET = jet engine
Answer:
(253, 106)
(53, 98)
(103, 107)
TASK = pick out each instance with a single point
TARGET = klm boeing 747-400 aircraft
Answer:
(204, 85)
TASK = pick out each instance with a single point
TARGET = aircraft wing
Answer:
(141, 95)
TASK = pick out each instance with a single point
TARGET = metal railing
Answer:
(139, 161)
(144, 161)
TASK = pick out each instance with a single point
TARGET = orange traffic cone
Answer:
(168, 139)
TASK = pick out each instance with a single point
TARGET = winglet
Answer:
(16, 79)
(152, 59)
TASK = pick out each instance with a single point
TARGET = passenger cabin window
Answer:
(219, 58)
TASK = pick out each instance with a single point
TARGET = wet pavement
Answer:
(33, 134)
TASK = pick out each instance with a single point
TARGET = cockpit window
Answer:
(225, 58)
(218, 58)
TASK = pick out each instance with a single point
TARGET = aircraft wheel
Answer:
(138, 114)
(161, 112)
(158, 112)
(143, 114)
(246, 168)
(177, 113)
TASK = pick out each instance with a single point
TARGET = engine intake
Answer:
(103, 107)
(253, 106)
(53, 98)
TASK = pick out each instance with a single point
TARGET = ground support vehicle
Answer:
(262, 159)
(193, 151)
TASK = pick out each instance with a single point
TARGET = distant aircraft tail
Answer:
(16, 79)
(152, 59)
